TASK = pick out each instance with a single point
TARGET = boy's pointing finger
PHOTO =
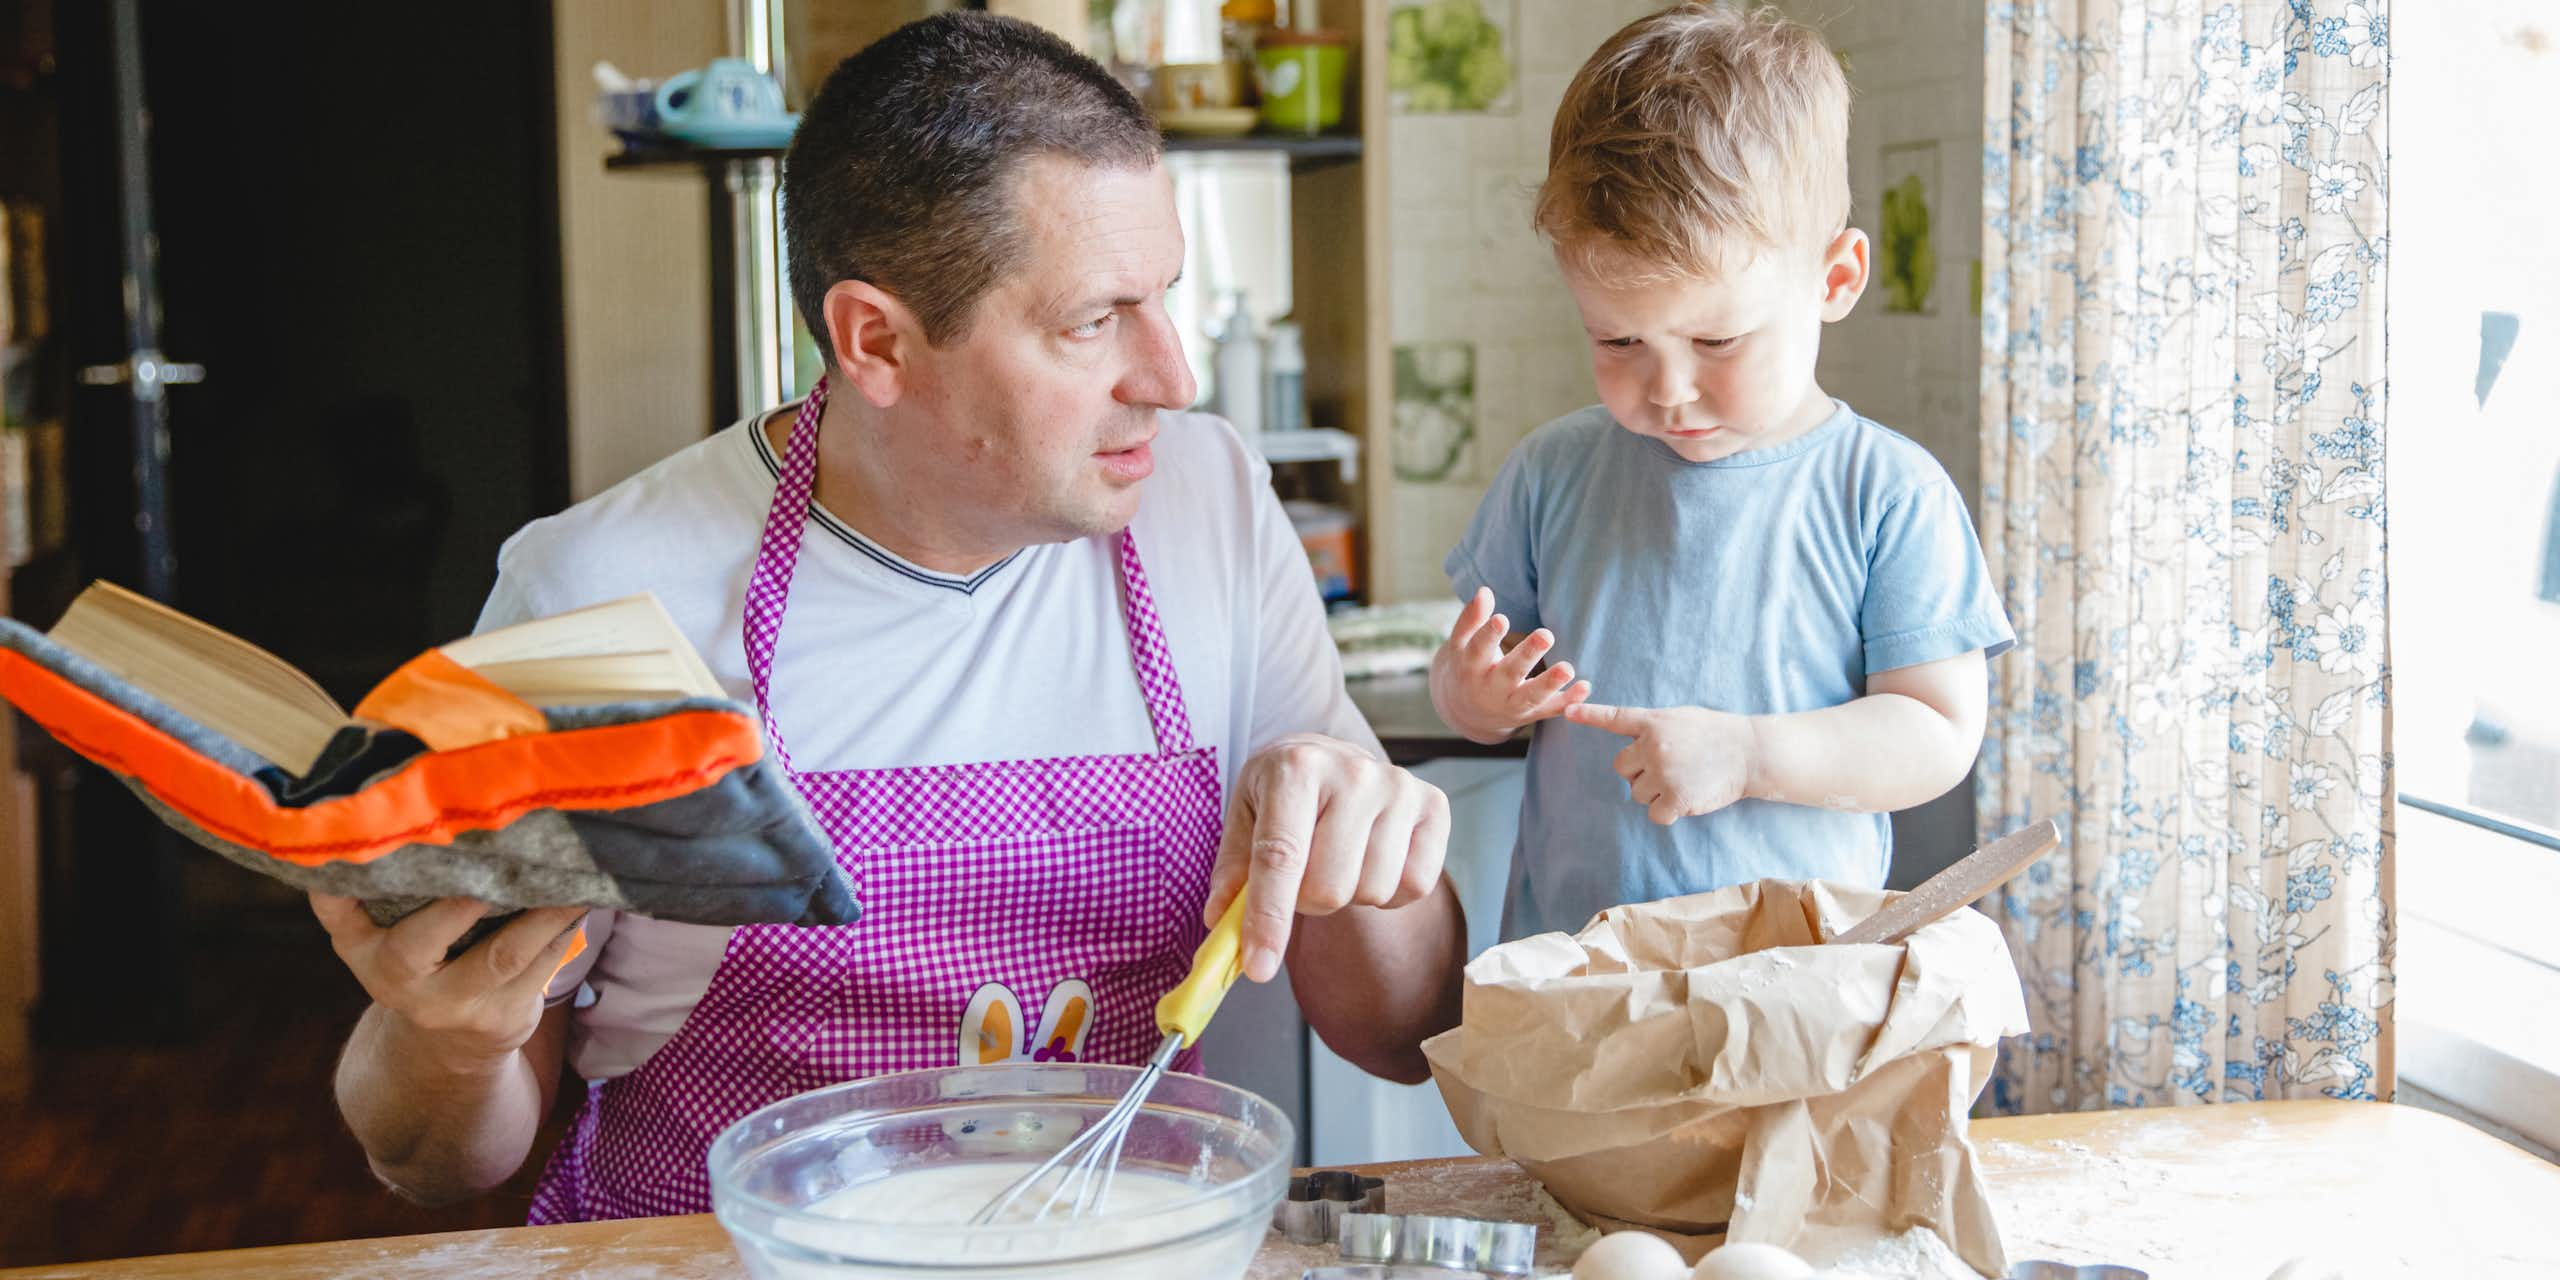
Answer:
(1622, 720)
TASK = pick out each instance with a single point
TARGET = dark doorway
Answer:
(356, 215)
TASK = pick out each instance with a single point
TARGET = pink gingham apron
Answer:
(991, 890)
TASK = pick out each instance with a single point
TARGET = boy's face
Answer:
(1715, 367)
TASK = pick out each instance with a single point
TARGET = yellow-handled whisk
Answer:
(1084, 1167)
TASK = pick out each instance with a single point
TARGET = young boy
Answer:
(1783, 603)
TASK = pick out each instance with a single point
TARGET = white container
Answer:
(1234, 207)
(1239, 371)
(1285, 377)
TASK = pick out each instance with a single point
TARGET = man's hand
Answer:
(1317, 825)
(480, 1006)
(1682, 762)
(1486, 694)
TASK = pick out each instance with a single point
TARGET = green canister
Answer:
(1301, 77)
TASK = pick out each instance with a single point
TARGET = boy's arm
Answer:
(1913, 737)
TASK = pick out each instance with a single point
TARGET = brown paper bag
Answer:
(1696, 1065)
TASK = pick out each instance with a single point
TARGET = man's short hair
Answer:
(1696, 138)
(904, 168)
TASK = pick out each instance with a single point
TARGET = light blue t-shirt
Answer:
(1770, 581)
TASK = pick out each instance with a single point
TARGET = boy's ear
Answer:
(873, 340)
(1844, 273)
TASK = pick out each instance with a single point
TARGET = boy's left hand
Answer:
(1683, 761)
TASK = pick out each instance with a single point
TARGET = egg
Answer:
(1750, 1261)
(1631, 1255)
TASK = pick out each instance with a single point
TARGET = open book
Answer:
(625, 650)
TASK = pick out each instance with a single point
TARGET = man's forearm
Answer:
(434, 1129)
(1376, 984)
(1876, 754)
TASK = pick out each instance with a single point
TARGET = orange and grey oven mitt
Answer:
(668, 808)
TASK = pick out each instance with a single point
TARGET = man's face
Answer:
(1709, 367)
(1040, 415)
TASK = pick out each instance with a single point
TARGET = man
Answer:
(1019, 682)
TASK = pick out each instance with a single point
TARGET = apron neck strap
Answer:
(786, 521)
(1148, 652)
(778, 559)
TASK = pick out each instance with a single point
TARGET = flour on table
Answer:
(2043, 1220)
(1917, 1254)
(1565, 1233)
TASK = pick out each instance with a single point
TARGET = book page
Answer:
(628, 627)
(609, 677)
(204, 673)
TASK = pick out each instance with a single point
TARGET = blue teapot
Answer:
(726, 104)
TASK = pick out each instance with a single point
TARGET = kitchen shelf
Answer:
(1304, 152)
(672, 157)
(1320, 444)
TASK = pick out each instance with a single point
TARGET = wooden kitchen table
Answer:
(2222, 1192)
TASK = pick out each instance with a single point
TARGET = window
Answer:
(2551, 551)
(2475, 556)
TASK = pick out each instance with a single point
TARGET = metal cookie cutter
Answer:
(2041, 1270)
(1313, 1212)
(1456, 1244)
(1373, 1271)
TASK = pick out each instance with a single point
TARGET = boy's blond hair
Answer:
(1695, 138)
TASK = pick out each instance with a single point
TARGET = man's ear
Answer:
(873, 340)
(1844, 273)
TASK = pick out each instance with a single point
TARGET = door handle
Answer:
(147, 372)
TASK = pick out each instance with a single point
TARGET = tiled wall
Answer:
(1468, 270)
(1915, 67)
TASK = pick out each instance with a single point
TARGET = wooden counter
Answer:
(2226, 1192)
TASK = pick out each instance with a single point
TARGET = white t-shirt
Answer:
(883, 664)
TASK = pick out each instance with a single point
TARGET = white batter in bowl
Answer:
(878, 1178)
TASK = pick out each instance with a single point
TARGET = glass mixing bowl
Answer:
(877, 1178)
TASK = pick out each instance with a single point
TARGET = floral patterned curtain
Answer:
(2182, 424)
